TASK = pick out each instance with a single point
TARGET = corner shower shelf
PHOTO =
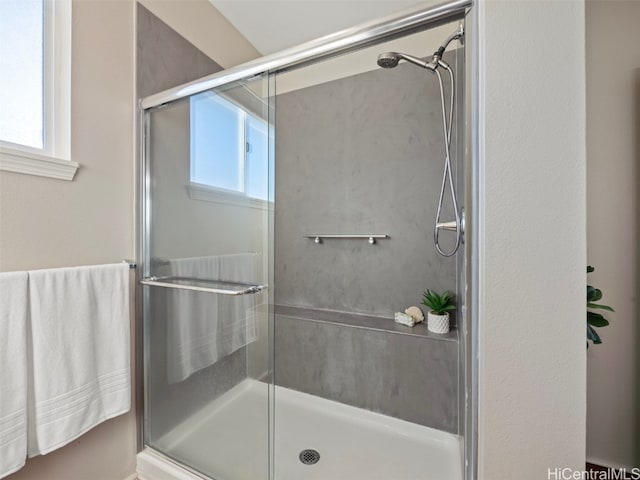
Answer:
(199, 285)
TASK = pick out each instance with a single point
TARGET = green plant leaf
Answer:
(596, 320)
(601, 307)
(593, 294)
(593, 336)
(437, 303)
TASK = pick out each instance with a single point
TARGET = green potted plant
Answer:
(595, 319)
(439, 308)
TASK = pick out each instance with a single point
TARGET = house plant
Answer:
(595, 319)
(439, 308)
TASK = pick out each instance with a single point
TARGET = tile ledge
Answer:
(358, 320)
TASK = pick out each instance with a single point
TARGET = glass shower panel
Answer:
(208, 277)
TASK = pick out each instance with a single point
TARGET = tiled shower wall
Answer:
(412, 376)
(363, 155)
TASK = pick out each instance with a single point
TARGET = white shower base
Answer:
(228, 440)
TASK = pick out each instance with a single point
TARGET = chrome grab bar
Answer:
(198, 285)
(371, 238)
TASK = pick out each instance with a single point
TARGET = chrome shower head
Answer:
(388, 60)
(391, 59)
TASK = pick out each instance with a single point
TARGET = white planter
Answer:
(438, 323)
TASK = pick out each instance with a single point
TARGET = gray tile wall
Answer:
(362, 154)
(410, 377)
(165, 59)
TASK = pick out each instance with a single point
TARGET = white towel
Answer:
(80, 324)
(13, 371)
(204, 327)
(237, 314)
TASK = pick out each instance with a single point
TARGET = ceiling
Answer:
(273, 25)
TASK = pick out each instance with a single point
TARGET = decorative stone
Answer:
(404, 319)
(416, 313)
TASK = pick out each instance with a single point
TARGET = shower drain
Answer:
(309, 456)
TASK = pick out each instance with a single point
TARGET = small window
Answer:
(229, 148)
(257, 158)
(21, 72)
(35, 47)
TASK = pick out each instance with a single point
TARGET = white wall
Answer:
(53, 223)
(532, 238)
(613, 153)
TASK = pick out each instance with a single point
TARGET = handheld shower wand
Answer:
(391, 60)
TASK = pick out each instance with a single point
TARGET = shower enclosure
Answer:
(288, 209)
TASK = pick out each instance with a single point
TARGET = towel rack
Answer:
(371, 238)
(200, 285)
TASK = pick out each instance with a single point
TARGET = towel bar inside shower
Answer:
(370, 237)
(200, 285)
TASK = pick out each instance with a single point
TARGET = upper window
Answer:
(21, 72)
(229, 148)
(35, 43)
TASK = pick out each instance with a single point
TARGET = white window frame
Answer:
(54, 159)
(211, 193)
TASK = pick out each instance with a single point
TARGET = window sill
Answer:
(198, 191)
(35, 164)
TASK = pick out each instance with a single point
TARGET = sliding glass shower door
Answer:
(364, 156)
(207, 280)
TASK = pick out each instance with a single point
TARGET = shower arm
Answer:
(457, 35)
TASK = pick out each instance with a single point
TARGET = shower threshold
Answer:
(228, 440)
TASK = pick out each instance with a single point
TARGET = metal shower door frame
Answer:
(400, 24)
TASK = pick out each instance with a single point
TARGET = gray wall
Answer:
(362, 154)
(164, 58)
(405, 373)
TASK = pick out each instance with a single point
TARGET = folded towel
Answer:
(80, 324)
(204, 327)
(237, 314)
(13, 371)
